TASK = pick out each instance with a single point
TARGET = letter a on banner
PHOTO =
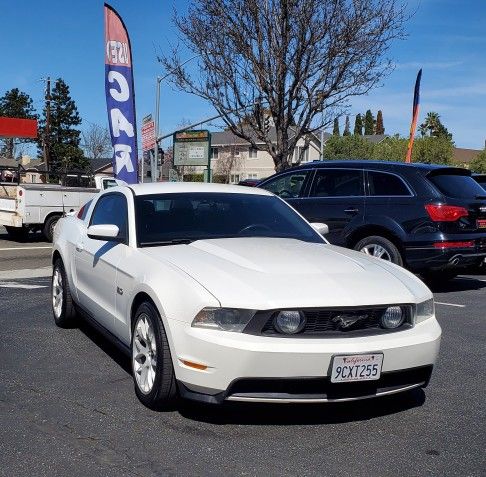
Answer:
(120, 97)
(415, 112)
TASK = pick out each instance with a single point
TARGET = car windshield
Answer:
(457, 186)
(163, 219)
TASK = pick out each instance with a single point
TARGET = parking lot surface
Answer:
(67, 404)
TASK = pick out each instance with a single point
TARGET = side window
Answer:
(111, 209)
(338, 183)
(287, 186)
(382, 184)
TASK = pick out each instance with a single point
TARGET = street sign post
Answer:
(192, 148)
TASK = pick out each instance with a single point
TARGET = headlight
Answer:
(393, 317)
(424, 310)
(225, 319)
(289, 322)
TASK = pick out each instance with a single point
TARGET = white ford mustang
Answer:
(226, 293)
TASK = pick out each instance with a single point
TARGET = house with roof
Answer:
(236, 159)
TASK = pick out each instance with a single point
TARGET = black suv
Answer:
(428, 218)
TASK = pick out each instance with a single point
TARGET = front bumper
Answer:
(270, 369)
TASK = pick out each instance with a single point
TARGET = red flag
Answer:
(415, 113)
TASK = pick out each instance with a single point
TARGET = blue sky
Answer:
(64, 38)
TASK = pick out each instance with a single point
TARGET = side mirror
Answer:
(320, 228)
(106, 232)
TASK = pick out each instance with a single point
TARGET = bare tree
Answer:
(97, 142)
(299, 59)
(228, 162)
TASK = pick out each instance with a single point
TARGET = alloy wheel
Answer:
(144, 354)
(57, 293)
(377, 251)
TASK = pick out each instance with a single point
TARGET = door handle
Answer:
(351, 210)
(79, 247)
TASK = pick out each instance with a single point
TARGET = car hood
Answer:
(268, 273)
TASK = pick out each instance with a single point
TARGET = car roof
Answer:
(191, 187)
(373, 164)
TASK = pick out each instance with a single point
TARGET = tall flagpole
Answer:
(415, 113)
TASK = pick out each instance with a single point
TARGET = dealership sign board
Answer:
(192, 148)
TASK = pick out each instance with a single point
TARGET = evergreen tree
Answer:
(15, 104)
(335, 129)
(358, 125)
(64, 138)
(369, 123)
(347, 131)
(380, 129)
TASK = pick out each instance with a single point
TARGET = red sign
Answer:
(148, 136)
(15, 127)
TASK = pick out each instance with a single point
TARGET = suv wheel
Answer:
(380, 247)
(153, 372)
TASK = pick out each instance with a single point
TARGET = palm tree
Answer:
(431, 125)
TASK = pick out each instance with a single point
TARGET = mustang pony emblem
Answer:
(346, 321)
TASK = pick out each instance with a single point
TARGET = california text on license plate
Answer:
(481, 223)
(356, 367)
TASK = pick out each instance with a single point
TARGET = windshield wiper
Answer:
(162, 243)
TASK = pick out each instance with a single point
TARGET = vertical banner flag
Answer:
(120, 97)
(415, 112)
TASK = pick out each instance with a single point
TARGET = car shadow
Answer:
(458, 284)
(30, 237)
(105, 345)
(270, 414)
(301, 414)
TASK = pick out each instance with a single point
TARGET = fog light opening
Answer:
(393, 317)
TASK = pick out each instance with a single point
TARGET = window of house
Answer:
(236, 151)
(287, 185)
(338, 183)
(382, 184)
(214, 153)
(234, 178)
(301, 152)
(252, 153)
(252, 175)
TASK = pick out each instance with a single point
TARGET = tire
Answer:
(17, 233)
(63, 308)
(155, 384)
(48, 228)
(380, 247)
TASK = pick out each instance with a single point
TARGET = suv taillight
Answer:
(445, 213)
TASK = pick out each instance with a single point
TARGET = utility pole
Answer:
(48, 124)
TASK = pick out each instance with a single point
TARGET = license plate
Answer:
(356, 367)
(481, 223)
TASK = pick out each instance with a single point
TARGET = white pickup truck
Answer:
(25, 207)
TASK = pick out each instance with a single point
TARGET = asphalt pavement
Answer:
(67, 405)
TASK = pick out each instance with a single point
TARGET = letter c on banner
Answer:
(124, 93)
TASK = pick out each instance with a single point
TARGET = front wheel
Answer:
(153, 371)
(380, 247)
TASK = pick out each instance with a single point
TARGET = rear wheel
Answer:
(62, 303)
(153, 371)
(380, 247)
(49, 225)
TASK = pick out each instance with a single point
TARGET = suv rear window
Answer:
(457, 186)
(386, 185)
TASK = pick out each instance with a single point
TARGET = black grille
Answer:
(305, 388)
(340, 323)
